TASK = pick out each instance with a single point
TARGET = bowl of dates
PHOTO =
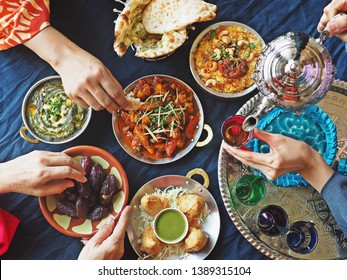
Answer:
(83, 209)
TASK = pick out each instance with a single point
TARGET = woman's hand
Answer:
(108, 242)
(40, 173)
(338, 25)
(286, 155)
(85, 78)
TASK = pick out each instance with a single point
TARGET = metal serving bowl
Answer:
(218, 94)
(200, 126)
(211, 224)
(51, 86)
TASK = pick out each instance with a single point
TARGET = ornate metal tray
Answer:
(302, 203)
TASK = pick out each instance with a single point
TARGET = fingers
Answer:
(112, 232)
(61, 166)
(103, 98)
(82, 103)
(102, 234)
(62, 172)
(247, 156)
(61, 159)
(55, 187)
(338, 24)
(105, 93)
(270, 172)
(263, 135)
(330, 11)
(120, 229)
(115, 91)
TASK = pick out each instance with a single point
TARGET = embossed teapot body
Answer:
(293, 72)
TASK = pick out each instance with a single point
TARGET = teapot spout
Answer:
(251, 121)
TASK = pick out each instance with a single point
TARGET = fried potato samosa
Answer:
(150, 244)
(191, 205)
(153, 204)
(195, 240)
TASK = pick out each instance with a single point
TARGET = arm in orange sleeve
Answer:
(21, 20)
(86, 79)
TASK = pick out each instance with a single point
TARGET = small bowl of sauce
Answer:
(170, 226)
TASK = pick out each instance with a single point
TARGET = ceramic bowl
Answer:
(85, 227)
(164, 225)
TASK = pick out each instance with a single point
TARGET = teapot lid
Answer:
(294, 71)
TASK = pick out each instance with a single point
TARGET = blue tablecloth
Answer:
(90, 24)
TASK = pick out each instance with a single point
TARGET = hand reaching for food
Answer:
(85, 78)
(40, 173)
(108, 242)
(282, 159)
(336, 25)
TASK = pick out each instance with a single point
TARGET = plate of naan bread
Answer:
(185, 195)
(155, 28)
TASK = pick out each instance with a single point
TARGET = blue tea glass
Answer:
(273, 220)
(302, 237)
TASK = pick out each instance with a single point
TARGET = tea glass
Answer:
(250, 189)
(233, 133)
(301, 236)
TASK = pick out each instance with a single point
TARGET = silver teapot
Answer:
(293, 72)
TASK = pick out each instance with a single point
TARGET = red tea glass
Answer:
(233, 133)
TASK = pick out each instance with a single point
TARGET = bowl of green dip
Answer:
(170, 225)
(50, 116)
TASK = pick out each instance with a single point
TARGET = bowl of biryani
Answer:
(223, 58)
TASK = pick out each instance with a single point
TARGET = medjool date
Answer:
(86, 164)
(108, 190)
(88, 200)
(97, 213)
(93, 199)
(83, 189)
(71, 194)
(67, 208)
(61, 195)
(97, 176)
(82, 208)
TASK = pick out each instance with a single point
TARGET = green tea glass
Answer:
(250, 189)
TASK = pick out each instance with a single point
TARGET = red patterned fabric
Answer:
(21, 20)
(8, 226)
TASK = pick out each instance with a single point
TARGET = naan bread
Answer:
(161, 16)
(129, 28)
(159, 45)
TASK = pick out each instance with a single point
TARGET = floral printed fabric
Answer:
(21, 20)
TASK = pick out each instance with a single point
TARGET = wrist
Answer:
(316, 170)
(5, 179)
(53, 47)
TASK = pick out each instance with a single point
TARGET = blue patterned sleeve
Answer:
(334, 193)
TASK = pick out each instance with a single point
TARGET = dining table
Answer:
(90, 24)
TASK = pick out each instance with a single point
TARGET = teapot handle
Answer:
(325, 33)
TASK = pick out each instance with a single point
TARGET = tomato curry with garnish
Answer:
(167, 121)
